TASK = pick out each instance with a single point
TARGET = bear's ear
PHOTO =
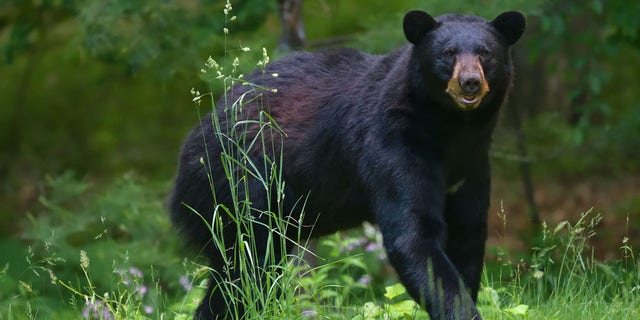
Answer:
(510, 24)
(416, 24)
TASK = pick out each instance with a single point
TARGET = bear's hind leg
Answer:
(214, 307)
(242, 280)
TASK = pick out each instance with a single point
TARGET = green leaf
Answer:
(394, 291)
(371, 311)
(403, 308)
(519, 310)
(492, 295)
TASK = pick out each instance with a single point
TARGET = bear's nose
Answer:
(470, 83)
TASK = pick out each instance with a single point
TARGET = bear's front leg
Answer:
(466, 216)
(409, 203)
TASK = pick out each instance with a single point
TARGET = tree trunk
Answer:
(527, 97)
(293, 36)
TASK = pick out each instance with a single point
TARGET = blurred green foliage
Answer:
(96, 240)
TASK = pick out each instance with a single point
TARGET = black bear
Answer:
(400, 139)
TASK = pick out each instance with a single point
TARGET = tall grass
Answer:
(562, 279)
(257, 282)
(257, 277)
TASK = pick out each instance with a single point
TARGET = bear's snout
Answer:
(467, 85)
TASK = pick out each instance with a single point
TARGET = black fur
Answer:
(377, 138)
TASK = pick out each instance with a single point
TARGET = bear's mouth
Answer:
(469, 100)
(466, 101)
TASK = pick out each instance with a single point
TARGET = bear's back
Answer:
(314, 74)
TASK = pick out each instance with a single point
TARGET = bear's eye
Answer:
(483, 52)
(449, 52)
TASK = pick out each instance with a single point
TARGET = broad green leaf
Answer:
(406, 307)
(394, 291)
(518, 310)
(371, 311)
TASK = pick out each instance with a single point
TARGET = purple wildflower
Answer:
(309, 313)
(148, 309)
(96, 309)
(354, 244)
(135, 272)
(142, 290)
(372, 246)
(364, 280)
(129, 276)
(186, 284)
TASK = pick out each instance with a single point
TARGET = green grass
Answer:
(109, 250)
(562, 280)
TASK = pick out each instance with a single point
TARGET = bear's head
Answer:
(464, 61)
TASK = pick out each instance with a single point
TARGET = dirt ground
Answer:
(615, 199)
